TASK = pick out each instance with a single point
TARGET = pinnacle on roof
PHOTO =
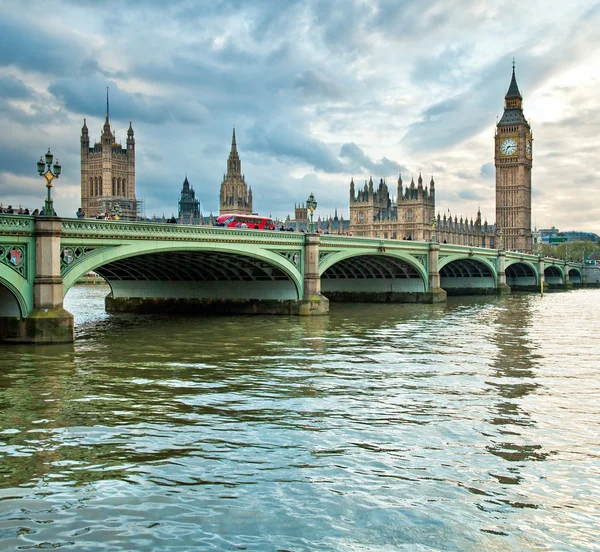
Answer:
(513, 89)
(233, 143)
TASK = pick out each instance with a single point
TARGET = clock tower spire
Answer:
(513, 161)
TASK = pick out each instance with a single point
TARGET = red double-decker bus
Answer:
(245, 221)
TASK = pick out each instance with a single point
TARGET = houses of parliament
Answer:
(413, 214)
(108, 175)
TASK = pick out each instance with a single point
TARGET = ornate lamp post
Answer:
(311, 205)
(51, 172)
(433, 227)
(500, 239)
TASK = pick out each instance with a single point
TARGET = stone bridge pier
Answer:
(48, 322)
(313, 302)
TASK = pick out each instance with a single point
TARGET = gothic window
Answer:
(100, 186)
(114, 186)
(91, 186)
(409, 215)
(361, 216)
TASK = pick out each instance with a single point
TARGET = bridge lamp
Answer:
(49, 172)
(311, 205)
(500, 241)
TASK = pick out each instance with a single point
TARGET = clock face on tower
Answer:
(508, 147)
(528, 148)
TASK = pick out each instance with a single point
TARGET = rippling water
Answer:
(472, 425)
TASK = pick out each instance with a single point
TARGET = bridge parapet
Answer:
(17, 225)
(148, 230)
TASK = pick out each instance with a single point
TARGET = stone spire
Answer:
(234, 165)
(106, 128)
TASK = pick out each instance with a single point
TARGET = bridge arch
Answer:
(575, 275)
(16, 293)
(12, 303)
(192, 270)
(554, 274)
(521, 274)
(467, 273)
(372, 275)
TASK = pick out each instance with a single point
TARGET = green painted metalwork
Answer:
(15, 257)
(16, 225)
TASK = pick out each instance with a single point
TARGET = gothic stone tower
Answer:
(513, 160)
(189, 206)
(416, 209)
(108, 174)
(234, 196)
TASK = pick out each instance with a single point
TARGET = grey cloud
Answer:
(13, 88)
(34, 49)
(445, 67)
(360, 160)
(312, 83)
(473, 194)
(285, 142)
(88, 96)
(487, 171)
(17, 161)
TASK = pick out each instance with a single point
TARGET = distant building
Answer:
(108, 174)
(373, 213)
(189, 206)
(234, 197)
(328, 225)
(553, 236)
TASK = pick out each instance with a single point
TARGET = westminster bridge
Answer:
(167, 267)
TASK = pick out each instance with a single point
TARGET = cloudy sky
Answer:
(318, 91)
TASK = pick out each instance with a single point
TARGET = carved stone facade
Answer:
(513, 160)
(108, 174)
(234, 197)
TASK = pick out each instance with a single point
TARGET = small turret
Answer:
(130, 138)
(85, 137)
(399, 187)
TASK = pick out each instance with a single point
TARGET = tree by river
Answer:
(575, 251)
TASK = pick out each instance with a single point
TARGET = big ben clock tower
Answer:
(513, 160)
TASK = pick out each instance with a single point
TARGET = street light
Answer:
(51, 172)
(500, 240)
(311, 205)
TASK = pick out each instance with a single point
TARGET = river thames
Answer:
(471, 425)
